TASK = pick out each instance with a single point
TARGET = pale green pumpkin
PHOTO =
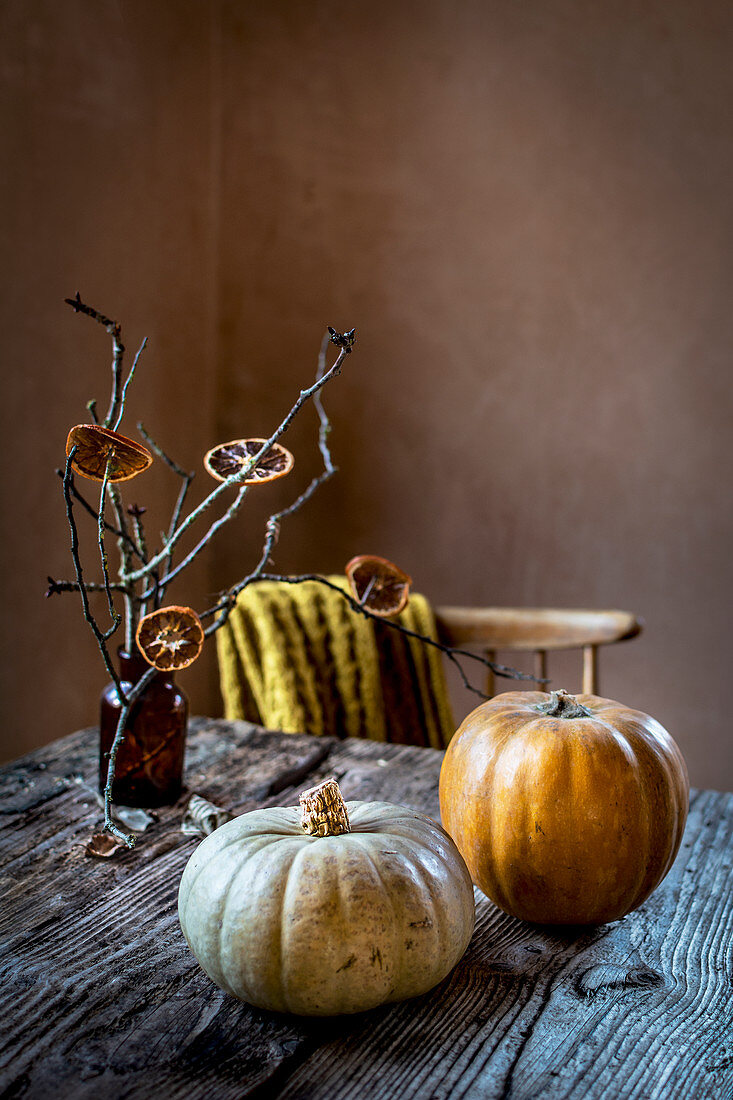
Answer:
(320, 925)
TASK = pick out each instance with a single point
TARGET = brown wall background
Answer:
(525, 210)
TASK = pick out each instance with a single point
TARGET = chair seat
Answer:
(522, 628)
(539, 630)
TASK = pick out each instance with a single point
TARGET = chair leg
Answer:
(540, 668)
(590, 670)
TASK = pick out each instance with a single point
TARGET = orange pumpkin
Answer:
(567, 810)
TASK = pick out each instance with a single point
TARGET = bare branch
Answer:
(55, 587)
(325, 424)
(175, 519)
(236, 479)
(450, 651)
(100, 542)
(187, 478)
(137, 514)
(272, 531)
(95, 514)
(272, 527)
(81, 307)
(119, 737)
(128, 380)
(158, 450)
(123, 544)
(101, 638)
(134, 545)
(118, 351)
(228, 515)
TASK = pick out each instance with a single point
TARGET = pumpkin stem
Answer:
(562, 704)
(323, 810)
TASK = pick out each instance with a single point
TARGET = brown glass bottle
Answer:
(149, 764)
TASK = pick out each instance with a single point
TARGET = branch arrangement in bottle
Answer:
(171, 636)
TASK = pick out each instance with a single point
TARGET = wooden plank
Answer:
(640, 1008)
(102, 998)
(95, 946)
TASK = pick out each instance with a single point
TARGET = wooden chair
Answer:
(537, 630)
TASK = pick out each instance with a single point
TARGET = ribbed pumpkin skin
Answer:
(319, 926)
(564, 820)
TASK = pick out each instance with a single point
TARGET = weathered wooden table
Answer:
(103, 999)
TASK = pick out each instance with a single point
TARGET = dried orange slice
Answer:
(170, 638)
(95, 446)
(228, 458)
(378, 585)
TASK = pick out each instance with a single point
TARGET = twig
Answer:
(128, 380)
(158, 450)
(187, 478)
(119, 737)
(231, 511)
(367, 592)
(235, 479)
(123, 544)
(272, 526)
(100, 541)
(55, 587)
(129, 546)
(101, 638)
(81, 307)
(450, 651)
(175, 518)
(324, 428)
(137, 514)
(118, 350)
(95, 514)
(223, 608)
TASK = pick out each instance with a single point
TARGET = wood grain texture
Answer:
(102, 998)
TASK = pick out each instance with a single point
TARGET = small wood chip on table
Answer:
(102, 997)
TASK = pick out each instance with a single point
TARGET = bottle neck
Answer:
(133, 667)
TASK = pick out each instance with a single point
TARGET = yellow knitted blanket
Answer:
(297, 658)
